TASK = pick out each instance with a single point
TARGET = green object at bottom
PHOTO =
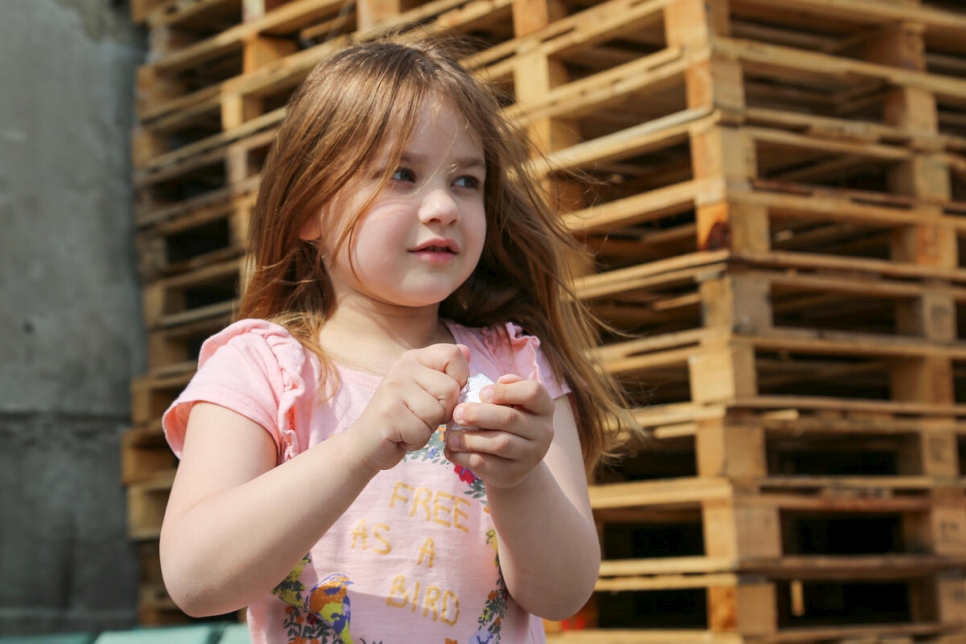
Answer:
(235, 634)
(63, 638)
(201, 634)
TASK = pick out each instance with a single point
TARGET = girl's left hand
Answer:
(516, 421)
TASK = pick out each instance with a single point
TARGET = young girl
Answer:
(400, 248)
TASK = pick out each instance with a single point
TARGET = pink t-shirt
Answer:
(414, 558)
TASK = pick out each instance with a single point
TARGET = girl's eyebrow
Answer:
(461, 162)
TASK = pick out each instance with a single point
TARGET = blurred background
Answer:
(71, 332)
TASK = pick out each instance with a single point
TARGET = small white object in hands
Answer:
(470, 393)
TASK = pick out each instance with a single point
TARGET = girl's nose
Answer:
(438, 206)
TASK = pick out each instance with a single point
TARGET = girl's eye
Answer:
(403, 174)
(467, 181)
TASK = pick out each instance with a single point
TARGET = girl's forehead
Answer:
(436, 119)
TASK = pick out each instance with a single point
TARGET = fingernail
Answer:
(486, 394)
(453, 439)
(458, 415)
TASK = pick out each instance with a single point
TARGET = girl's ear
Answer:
(312, 229)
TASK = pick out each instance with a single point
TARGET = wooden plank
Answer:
(155, 214)
(850, 130)
(688, 492)
(805, 567)
(840, 404)
(685, 267)
(632, 141)
(950, 89)
(282, 75)
(856, 285)
(935, 20)
(588, 95)
(691, 338)
(639, 208)
(851, 344)
(665, 582)
(232, 39)
(833, 205)
(874, 150)
(667, 565)
(813, 261)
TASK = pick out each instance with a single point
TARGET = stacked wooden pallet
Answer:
(775, 193)
(778, 207)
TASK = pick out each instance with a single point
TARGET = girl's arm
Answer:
(236, 524)
(537, 492)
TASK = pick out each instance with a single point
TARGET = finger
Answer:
(494, 470)
(451, 359)
(440, 386)
(528, 394)
(490, 417)
(504, 445)
(419, 420)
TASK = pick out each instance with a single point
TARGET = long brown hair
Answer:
(344, 113)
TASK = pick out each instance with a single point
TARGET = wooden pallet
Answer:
(759, 292)
(758, 558)
(146, 501)
(798, 446)
(242, 48)
(186, 298)
(155, 607)
(667, 179)
(194, 238)
(152, 394)
(205, 181)
(181, 116)
(710, 366)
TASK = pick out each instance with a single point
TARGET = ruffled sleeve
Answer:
(258, 370)
(520, 354)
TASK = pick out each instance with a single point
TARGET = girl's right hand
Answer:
(417, 395)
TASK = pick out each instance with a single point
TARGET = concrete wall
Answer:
(70, 327)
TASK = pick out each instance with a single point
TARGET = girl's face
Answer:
(423, 235)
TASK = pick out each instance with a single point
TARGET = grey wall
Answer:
(70, 327)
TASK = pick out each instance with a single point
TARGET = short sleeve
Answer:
(521, 354)
(256, 369)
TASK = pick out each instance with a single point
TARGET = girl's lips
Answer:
(437, 246)
(436, 251)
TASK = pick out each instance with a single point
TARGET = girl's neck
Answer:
(372, 342)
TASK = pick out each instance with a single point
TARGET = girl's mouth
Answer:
(445, 246)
